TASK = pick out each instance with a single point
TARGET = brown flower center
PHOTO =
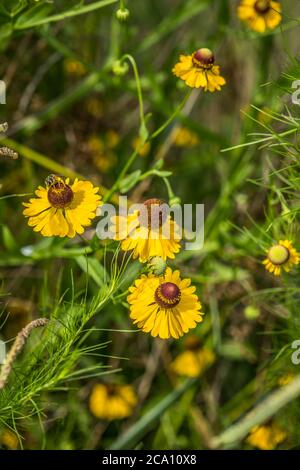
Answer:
(203, 58)
(111, 389)
(60, 194)
(154, 215)
(278, 254)
(262, 6)
(167, 295)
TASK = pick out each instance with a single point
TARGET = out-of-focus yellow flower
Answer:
(101, 149)
(74, 67)
(265, 115)
(286, 379)
(95, 144)
(281, 255)
(198, 70)
(104, 162)
(112, 138)
(110, 402)
(9, 440)
(260, 15)
(185, 138)
(95, 107)
(164, 306)
(192, 363)
(61, 209)
(142, 149)
(266, 437)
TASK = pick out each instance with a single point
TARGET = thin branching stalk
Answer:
(17, 348)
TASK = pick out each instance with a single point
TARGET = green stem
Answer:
(138, 86)
(131, 436)
(133, 156)
(261, 413)
(171, 118)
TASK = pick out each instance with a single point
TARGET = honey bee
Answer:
(51, 180)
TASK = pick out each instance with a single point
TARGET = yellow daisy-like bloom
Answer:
(193, 361)
(111, 402)
(164, 306)
(199, 70)
(260, 15)
(61, 209)
(266, 437)
(155, 234)
(185, 138)
(9, 440)
(280, 256)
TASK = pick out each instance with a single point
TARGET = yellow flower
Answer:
(286, 379)
(164, 306)
(142, 149)
(148, 235)
(185, 138)
(74, 67)
(95, 144)
(103, 157)
(112, 138)
(192, 362)
(61, 209)
(266, 437)
(9, 439)
(281, 255)
(111, 402)
(199, 70)
(260, 15)
(95, 107)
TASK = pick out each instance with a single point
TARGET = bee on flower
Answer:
(281, 255)
(111, 401)
(260, 15)
(193, 361)
(148, 232)
(62, 209)
(164, 306)
(198, 70)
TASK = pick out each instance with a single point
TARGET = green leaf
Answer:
(33, 15)
(162, 173)
(159, 164)
(6, 30)
(177, 17)
(234, 350)
(94, 269)
(77, 10)
(143, 133)
(4, 12)
(8, 240)
(136, 432)
(129, 181)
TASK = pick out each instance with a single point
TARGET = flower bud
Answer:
(122, 14)
(157, 266)
(120, 68)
